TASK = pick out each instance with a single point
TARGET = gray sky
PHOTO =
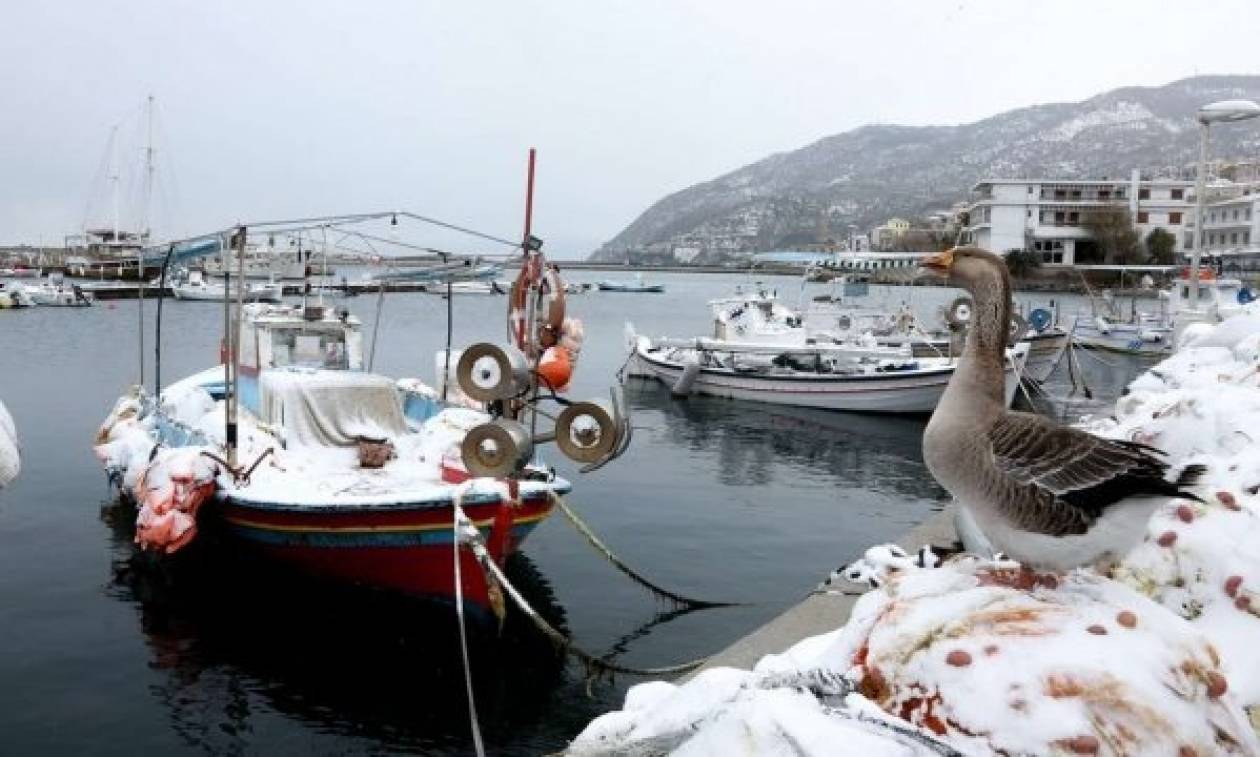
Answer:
(277, 109)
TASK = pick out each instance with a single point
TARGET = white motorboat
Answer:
(55, 292)
(1151, 333)
(637, 286)
(491, 287)
(198, 288)
(759, 316)
(832, 377)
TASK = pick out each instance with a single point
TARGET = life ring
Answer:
(1245, 296)
(550, 310)
(958, 314)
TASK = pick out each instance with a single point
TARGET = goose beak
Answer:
(938, 264)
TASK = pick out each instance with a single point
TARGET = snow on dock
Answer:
(1155, 657)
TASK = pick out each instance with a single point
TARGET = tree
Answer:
(1022, 262)
(1161, 247)
(1112, 229)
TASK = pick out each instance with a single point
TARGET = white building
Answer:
(1047, 215)
(1232, 231)
(685, 255)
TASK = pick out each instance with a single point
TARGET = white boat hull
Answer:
(1125, 338)
(902, 392)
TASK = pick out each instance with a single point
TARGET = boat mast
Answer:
(144, 230)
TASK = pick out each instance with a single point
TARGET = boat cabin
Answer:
(315, 337)
(1220, 296)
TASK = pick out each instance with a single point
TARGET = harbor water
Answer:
(104, 650)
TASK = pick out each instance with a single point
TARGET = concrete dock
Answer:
(820, 613)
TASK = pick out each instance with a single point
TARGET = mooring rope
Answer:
(637, 577)
(460, 536)
(491, 569)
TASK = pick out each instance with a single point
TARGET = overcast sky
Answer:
(279, 109)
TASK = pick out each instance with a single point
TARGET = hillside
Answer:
(866, 175)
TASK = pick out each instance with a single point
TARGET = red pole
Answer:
(529, 201)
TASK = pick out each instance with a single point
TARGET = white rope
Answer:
(458, 525)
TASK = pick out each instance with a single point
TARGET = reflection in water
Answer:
(754, 441)
(227, 630)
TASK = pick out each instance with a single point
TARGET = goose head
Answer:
(965, 267)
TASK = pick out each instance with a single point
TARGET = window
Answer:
(1235, 214)
(1104, 194)
(1028, 213)
(1246, 238)
(1030, 189)
(1076, 194)
(1174, 219)
(1074, 217)
(1233, 237)
(1060, 194)
(1060, 217)
(1143, 217)
(1144, 194)
(1247, 215)
(1178, 193)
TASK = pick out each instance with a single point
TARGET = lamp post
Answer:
(1224, 111)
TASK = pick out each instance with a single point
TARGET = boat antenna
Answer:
(234, 355)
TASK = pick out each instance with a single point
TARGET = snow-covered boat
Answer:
(317, 463)
(638, 285)
(871, 379)
(198, 288)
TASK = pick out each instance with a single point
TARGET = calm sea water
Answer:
(103, 650)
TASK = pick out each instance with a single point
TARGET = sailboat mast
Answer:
(144, 228)
(114, 179)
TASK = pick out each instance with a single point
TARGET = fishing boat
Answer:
(196, 287)
(871, 379)
(293, 448)
(1150, 334)
(757, 315)
(636, 286)
(55, 292)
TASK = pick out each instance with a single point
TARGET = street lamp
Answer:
(1224, 111)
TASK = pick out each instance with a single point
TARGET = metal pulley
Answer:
(488, 372)
(496, 449)
(587, 432)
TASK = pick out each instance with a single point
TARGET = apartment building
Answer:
(1047, 216)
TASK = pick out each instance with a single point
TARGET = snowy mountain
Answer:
(867, 175)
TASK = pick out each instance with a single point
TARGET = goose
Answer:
(1046, 495)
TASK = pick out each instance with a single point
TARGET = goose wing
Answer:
(1070, 475)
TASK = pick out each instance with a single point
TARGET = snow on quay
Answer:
(1159, 656)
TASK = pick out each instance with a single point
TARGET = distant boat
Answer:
(637, 286)
(55, 292)
(197, 288)
(20, 272)
(491, 287)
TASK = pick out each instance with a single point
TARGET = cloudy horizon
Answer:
(278, 109)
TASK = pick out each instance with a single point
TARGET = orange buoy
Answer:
(555, 368)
